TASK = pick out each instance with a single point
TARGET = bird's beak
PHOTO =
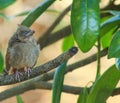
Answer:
(30, 33)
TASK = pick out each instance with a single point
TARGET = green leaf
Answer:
(53, 11)
(104, 86)
(6, 3)
(4, 16)
(1, 62)
(19, 14)
(67, 42)
(58, 83)
(109, 24)
(104, 19)
(83, 96)
(19, 99)
(85, 22)
(114, 49)
(117, 62)
(106, 39)
(36, 12)
(113, 12)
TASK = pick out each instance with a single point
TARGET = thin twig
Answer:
(56, 22)
(52, 38)
(76, 65)
(35, 84)
(26, 87)
(98, 59)
(10, 79)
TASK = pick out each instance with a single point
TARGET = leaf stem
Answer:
(98, 59)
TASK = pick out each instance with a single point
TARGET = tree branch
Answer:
(56, 22)
(52, 38)
(35, 84)
(76, 65)
(28, 85)
(10, 79)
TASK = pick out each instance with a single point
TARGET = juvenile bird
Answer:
(22, 52)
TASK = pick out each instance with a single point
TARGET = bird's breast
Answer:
(23, 54)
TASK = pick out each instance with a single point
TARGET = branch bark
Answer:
(39, 82)
(35, 84)
(41, 70)
(51, 28)
(53, 37)
(10, 79)
(76, 65)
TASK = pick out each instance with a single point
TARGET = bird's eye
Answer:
(24, 32)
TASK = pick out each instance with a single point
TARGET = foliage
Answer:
(104, 86)
(85, 22)
(6, 3)
(19, 99)
(1, 62)
(58, 83)
(83, 96)
(87, 29)
(67, 43)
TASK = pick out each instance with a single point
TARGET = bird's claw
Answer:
(17, 75)
(28, 71)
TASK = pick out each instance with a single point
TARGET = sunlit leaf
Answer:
(19, 99)
(36, 12)
(68, 43)
(1, 62)
(83, 96)
(106, 39)
(58, 83)
(19, 14)
(114, 49)
(85, 22)
(6, 3)
(4, 16)
(113, 12)
(104, 86)
(109, 24)
(117, 62)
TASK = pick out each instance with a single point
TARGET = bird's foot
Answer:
(28, 71)
(11, 70)
(17, 75)
(16, 72)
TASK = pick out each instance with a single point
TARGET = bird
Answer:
(22, 52)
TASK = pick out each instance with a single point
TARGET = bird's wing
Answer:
(7, 58)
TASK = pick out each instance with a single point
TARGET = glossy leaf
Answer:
(58, 83)
(104, 86)
(1, 62)
(83, 96)
(106, 39)
(117, 62)
(19, 99)
(36, 12)
(6, 3)
(68, 42)
(85, 23)
(114, 49)
(113, 12)
(109, 24)
(4, 16)
(19, 14)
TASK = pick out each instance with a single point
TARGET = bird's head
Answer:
(24, 33)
